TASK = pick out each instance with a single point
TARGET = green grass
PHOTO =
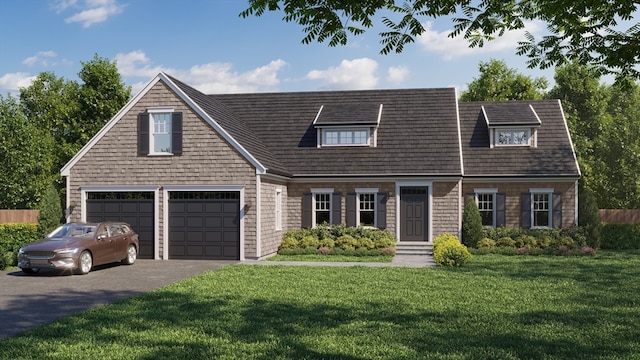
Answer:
(330, 258)
(498, 307)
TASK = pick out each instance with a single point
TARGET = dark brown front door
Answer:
(413, 214)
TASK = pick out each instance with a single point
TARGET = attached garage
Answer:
(204, 225)
(135, 208)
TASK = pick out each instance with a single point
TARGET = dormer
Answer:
(512, 124)
(348, 125)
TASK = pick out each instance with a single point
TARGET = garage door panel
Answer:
(204, 225)
(135, 208)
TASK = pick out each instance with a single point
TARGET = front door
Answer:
(414, 202)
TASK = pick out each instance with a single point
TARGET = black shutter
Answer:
(557, 210)
(351, 209)
(525, 210)
(501, 209)
(336, 208)
(381, 211)
(176, 133)
(307, 212)
(143, 133)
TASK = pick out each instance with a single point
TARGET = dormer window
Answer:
(513, 137)
(348, 124)
(513, 123)
(344, 137)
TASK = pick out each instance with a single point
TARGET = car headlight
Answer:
(66, 251)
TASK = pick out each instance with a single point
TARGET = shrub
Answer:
(589, 216)
(564, 241)
(621, 236)
(486, 243)
(588, 250)
(448, 251)
(346, 242)
(388, 251)
(327, 242)
(12, 238)
(563, 250)
(288, 242)
(323, 250)
(524, 251)
(309, 241)
(505, 241)
(51, 215)
(544, 241)
(471, 224)
(364, 243)
(527, 241)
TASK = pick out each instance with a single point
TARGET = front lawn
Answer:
(497, 307)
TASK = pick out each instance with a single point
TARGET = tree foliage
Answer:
(590, 32)
(497, 82)
(471, 224)
(25, 155)
(51, 214)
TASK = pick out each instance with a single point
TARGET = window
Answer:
(486, 207)
(322, 208)
(160, 132)
(541, 210)
(367, 209)
(161, 135)
(335, 137)
(278, 210)
(513, 137)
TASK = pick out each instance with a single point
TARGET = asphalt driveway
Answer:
(28, 301)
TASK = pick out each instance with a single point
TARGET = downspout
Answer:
(576, 203)
(69, 208)
(258, 218)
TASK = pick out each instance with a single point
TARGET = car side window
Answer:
(103, 231)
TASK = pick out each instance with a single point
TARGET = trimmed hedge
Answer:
(12, 238)
(449, 251)
(338, 239)
(620, 236)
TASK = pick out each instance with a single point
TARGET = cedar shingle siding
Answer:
(260, 143)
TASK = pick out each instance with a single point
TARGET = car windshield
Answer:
(73, 230)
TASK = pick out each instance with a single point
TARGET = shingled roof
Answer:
(552, 157)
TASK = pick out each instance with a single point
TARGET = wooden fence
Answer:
(19, 216)
(620, 216)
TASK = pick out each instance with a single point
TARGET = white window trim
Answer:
(492, 191)
(278, 209)
(550, 192)
(315, 191)
(151, 111)
(532, 140)
(373, 191)
(324, 130)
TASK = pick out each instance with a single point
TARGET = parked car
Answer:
(80, 246)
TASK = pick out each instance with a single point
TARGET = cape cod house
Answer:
(224, 176)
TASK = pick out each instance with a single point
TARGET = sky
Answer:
(205, 44)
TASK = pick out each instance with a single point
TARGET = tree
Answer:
(26, 158)
(498, 82)
(471, 224)
(584, 31)
(51, 214)
(589, 215)
(102, 94)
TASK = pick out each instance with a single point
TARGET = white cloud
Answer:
(14, 81)
(90, 11)
(350, 74)
(397, 74)
(41, 58)
(450, 48)
(209, 78)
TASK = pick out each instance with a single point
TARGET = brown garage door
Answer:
(135, 208)
(204, 225)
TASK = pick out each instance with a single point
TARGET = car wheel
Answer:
(132, 254)
(30, 271)
(85, 263)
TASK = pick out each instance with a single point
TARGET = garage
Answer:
(135, 208)
(204, 225)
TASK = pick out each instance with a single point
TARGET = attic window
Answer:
(333, 137)
(348, 124)
(512, 123)
(516, 137)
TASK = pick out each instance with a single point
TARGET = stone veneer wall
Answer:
(515, 189)
(207, 160)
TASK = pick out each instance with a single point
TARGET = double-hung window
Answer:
(366, 214)
(486, 207)
(345, 137)
(541, 208)
(160, 132)
(322, 207)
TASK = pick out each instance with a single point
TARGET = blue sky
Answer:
(207, 45)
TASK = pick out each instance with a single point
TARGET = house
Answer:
(224, 176)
